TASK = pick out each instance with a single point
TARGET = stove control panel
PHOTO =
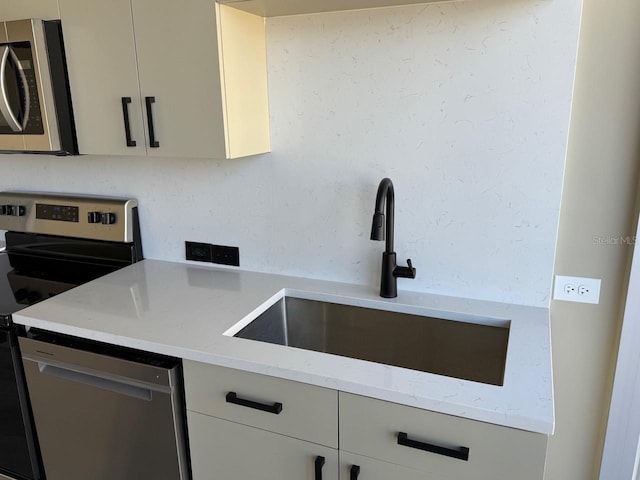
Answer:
(80, 216)
(62, 213)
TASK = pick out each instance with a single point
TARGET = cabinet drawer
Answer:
(437, 443)
(305, 412)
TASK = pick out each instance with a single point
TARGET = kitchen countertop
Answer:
(184, 310)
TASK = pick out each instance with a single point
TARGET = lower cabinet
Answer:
(441, 446)
(225, 450)
(256, 427)
(247, 426)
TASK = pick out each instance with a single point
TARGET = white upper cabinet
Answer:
(158, 68)
(277, 8)
(21, 9)
(101, 61)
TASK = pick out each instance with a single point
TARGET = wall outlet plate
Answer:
(206, 252)
(225, 255)
(199, 252)
(577, 289)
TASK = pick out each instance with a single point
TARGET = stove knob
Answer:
(108, 218)
(13, 210)
(94, 217)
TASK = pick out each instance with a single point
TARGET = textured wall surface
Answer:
(465, 106)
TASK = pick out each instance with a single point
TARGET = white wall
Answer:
(464, 105)
(598, 200)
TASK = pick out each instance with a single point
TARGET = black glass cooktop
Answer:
(36, 267)
(8, 303)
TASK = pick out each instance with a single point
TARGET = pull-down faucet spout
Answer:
(378, 228)
(383, 219)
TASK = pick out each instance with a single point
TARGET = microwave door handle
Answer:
(5, 108)
(6, 54)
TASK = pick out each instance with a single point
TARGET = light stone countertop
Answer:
(184, 310)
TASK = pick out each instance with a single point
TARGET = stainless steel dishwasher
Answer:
(103, 412)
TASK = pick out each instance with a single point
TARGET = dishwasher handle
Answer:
(97, 379)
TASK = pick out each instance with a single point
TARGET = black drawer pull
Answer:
(461, 453)
(127, 125)
(354, 473)
(275, 408)
(319, 464)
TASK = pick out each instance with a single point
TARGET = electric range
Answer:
(54, 242)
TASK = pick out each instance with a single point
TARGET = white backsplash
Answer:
(465, 106)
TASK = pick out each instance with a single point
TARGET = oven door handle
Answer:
(6, 55)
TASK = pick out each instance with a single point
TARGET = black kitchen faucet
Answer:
(390, 270)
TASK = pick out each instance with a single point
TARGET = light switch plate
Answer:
(577, 289)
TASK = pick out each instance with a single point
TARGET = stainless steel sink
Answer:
(459, 349)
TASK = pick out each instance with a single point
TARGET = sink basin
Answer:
(467, 350)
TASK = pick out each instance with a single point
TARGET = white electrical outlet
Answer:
(577, 289)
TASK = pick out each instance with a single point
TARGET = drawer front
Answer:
(227, 451)
(294, 409)
(441, 445)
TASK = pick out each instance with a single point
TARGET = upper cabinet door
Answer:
(101, 59)
(18, 10)
(178, 62)
(201, 99)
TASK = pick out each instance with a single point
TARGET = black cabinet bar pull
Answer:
(461, 453)
(127, 126)
(275, 408)
(319, 465)
(354, 473)
(153, 143)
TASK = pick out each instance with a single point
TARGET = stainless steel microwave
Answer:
(36, 115)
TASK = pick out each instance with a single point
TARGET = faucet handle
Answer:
(411, 270)
(405, 272)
